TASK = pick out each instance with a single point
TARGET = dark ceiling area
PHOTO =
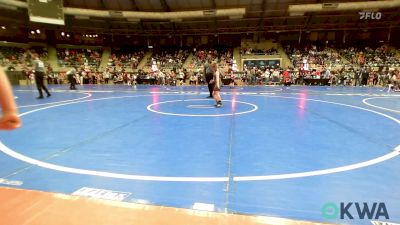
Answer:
(260, 16)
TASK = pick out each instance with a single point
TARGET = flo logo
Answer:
(355, 210)
(370, 15)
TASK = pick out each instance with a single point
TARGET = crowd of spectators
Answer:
(121, 59)
(313, 56)
(374, 57)
(364, 66)
(13, 58)
(223, 56)
(346, 76)
(168, 58)
(78, 57)
(83, 75)
(256, 51)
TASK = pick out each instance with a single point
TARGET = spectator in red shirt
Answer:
(286, 78)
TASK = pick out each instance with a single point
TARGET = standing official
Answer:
(39, 76)
(208, 72)
(71, 75)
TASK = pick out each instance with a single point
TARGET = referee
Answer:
(39, 76)
(208, 72)
(71, 78)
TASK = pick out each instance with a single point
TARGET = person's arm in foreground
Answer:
(9, 119)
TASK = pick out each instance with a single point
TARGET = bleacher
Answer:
(78, 57)
(315, 56)
(125, 59)
(11, 56)
(382, 56)
(223, 56)
(168, 58)
(342, 62)
(18, 58)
